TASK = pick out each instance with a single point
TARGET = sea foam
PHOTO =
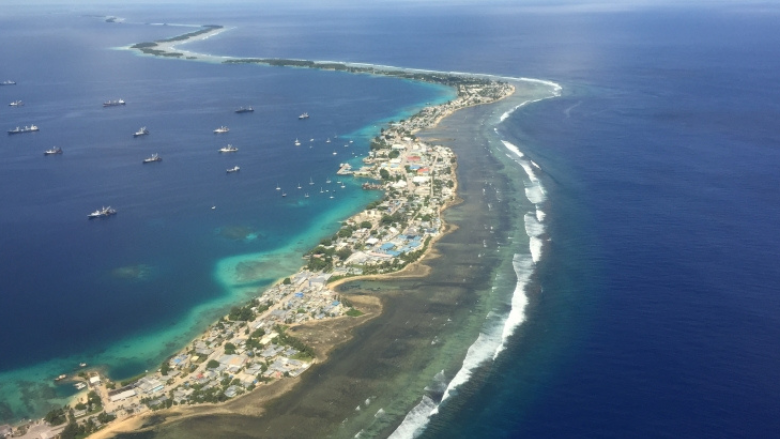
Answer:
(499, 326)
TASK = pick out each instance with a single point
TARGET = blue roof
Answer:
(387, 246)
(414, 244)
(335, 303)
(299, 295)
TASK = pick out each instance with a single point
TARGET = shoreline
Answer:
(416, 269)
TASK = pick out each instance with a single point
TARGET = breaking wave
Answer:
(499, 327)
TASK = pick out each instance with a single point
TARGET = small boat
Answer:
(61, 377)
(115, 103)
(284, 194)
(299, 186)
(334, 152)
(80, 385)
(154, 158)
(327, 141)
(306, 195)
(16, 104)
(213, 207)
(327, 181)
(26, 129)
(233, 169)
(331, 196)
(303, 116)
(277, 187)
(311, 140)
(321, 191)
(245, 110)
(82, 364)
(55, 150)
(102, 213)
(311, 181)
(228, 148)
(8, 82)
(221, 130)
(343, 186)
(141, 132)
(297, 142)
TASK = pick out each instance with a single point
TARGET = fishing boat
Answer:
(102, 213)
(233, 169)
(311, 181)
(221, 130)
(55, 150)
(228, 148)
(115, 103)
(26, 129)
(297, 142)
(299, 186)
(153, 159)
(141, 132)
(303, 116)
(16, 104)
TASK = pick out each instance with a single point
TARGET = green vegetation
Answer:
(56, 417)
(243, 314)
(354, 312)
(212, 364)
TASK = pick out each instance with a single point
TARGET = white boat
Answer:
(303, 116)
(16, 104)
(221, 130)
(334, 152)
(306, 195)
(141, 132)
(228, 148)
(297, 142)
(102, 213)
(277, 187)
(55, 150)
(299, 186)
(311, 181)
(115, 103)
(233, 169)
(327, 141)
(154, 158)
(80, 386)
(26, 129)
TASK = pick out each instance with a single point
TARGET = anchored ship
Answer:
(303, 116)
(55, 150)
(233, 169)
(26, 129)
(228, 148)
(115, 103)
(102, 213)
(245, 110)
(16, 104)
(221, 130)
(141, 132)
(153, 158)
(8, 82)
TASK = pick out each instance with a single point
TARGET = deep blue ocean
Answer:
(659, 309)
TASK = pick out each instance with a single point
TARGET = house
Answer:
(94, 381)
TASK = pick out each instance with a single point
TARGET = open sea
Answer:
(651, 185)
